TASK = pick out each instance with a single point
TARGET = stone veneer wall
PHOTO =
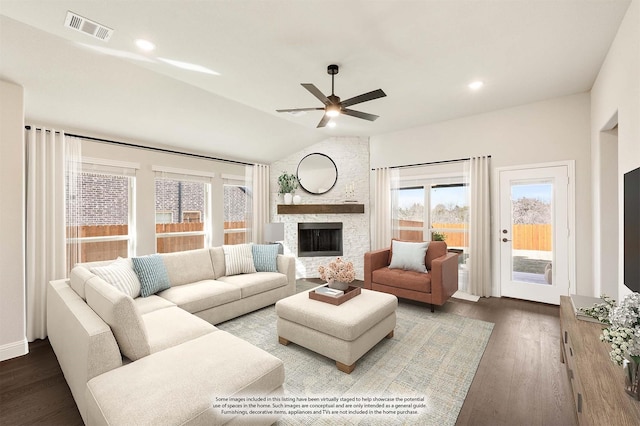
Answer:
(351, 155)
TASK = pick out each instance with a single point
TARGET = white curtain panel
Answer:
(385, 196)
(73, 191)
(260, 201)
(479, 262)
(45, 230)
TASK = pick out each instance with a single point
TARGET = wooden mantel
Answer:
(320, 208)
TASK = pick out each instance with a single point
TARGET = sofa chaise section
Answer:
(96, 330)
(181, 383)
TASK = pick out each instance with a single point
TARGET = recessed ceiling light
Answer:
(331, 124)
(145, 45)
(189, 66)
(476, 85)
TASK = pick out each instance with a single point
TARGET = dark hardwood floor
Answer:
(520, 380)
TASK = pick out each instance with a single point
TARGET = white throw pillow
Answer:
(238, 259)
(121, 275)
(408, 256)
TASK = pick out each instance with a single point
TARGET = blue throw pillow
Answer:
(152, 274)
(264, 257)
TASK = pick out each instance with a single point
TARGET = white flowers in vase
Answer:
(623, 331)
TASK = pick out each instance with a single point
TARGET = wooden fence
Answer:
(532, 237)
(239, 237)
(525, 237)
(170, 244)
(106, 250)
(101, 250)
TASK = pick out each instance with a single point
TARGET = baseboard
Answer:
(465, 296)
(15, 349)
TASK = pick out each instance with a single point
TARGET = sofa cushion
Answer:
(201, 295)
(172, 326)
(217, 259)
(216, 364)
(186, 267)
(121, 275)
(151, 303)
(238, 259)
(120, 312)
(409, 256)
(256, 283)
(152, 274)
(265, 257)
(410, 280)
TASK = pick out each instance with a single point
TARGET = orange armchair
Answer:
(434, 287)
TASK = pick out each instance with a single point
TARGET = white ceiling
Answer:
(421, 53)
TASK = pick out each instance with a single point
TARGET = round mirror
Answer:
(317, 173)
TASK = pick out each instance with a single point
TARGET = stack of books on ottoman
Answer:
(331, 292)
(333, 296)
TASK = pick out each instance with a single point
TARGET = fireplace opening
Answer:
(319, 239)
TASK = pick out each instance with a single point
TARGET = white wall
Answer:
(547, 131)
(13, 340)
(615, 97)
(351, 156)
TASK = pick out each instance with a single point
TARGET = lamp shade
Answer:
(273, 232)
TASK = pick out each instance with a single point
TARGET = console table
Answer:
(596, 382)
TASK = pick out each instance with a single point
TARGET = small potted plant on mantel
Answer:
(287, 183)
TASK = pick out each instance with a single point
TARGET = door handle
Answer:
(504, 240)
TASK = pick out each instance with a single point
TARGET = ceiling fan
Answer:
(332, 104)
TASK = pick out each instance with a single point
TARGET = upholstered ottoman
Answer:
(341, 332)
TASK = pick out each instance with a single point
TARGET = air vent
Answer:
(87, 26)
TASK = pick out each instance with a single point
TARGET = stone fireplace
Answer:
(351, 156)
(319, 239)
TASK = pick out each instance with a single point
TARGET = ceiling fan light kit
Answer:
(332, 104)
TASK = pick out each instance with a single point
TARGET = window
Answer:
(100, 212)
(181, 211)
(236, 211)
(449, 216)
(445, 219)
(411, 218)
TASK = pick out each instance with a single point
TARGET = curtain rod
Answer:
(131, 145)
(430, 163)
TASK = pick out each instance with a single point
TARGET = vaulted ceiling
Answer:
(423, 54)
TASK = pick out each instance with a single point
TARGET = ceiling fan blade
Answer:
(300, 109)
(359, 114)
(364, 98)
(316, 92)
(324, 121)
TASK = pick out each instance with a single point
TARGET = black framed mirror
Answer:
(317, 173)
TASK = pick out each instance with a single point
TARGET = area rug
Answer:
(426, 369)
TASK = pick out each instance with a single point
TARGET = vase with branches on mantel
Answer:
(287, 185)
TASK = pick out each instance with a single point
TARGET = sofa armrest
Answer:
(444, 278)
(82, 341)
(374, 260)
(287, 265)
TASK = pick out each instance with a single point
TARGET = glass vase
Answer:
(338, 285)
(631, 377)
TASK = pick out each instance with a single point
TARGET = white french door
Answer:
(534, 233)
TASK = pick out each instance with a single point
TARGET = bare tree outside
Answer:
(531, 211)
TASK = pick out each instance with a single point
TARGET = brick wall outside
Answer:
(235, 200)
(103, 199)
(170, 194)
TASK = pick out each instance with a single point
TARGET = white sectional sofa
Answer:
(160, 359)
